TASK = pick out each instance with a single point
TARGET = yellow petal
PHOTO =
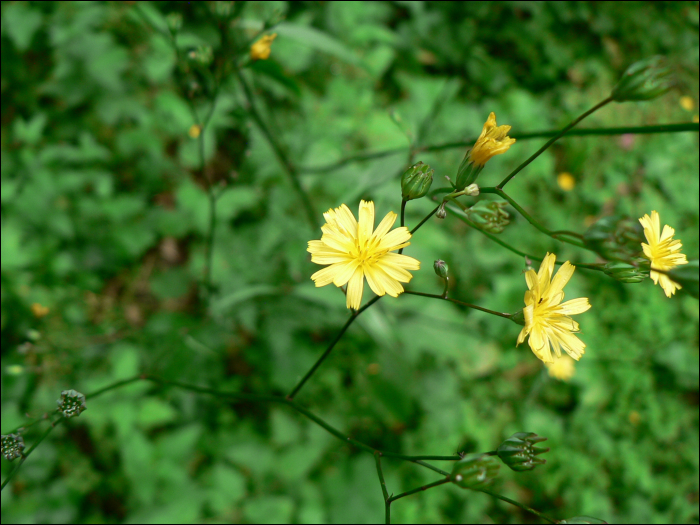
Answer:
(354, 293)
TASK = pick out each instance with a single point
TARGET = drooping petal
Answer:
(354, 292)
(375, 282)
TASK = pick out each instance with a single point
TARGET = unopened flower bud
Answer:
(616, 237)
(12, 446)
(416, 181)
(441, 213)
(490, 216)
(582, 519)
(627, 273)
(474, 471)
(644, 80)
(519, 453)
(71, 404)
(440, 268)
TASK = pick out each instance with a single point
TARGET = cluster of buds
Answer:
(474, 471)
(490, 216)
(518, 451)
(615, 238)
(628, 273)
(416, 181)
(71, 404)
(644, 80)
(12, 446)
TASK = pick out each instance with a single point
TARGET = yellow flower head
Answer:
(492, 141)
(562, 368)
(663, 252)
(260, 50)
(547, 320)
(39, 310)
(354, 252)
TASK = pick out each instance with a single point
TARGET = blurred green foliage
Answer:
(105, 215)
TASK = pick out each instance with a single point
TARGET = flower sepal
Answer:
(474, 471)
(518, 451)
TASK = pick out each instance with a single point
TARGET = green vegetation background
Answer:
(104, 216)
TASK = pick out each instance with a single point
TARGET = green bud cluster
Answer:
(644, 80)
(474, 471)
(71, 404)
(628, 273)
(489, 215)
(518, 451)
(416, 181)
(615, 238)
(12, 446)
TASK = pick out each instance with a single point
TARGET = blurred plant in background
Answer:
(163, 168)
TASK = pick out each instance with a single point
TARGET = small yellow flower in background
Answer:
(687, 103)
(39, 310)
(492, 141)
(354, 252)
(562, 368)
(194, 131)
(696, 118)
(260, 50)
(547, 320)
(566, 181)
(663, 251)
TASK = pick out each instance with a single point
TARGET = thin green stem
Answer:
(330, 348)
(635, 130)
(420, 489)
(468, 305)
(552, 141)
(403, 212)
(428, 465)
(29, 451)
(378, 461)
(414, 230)
(291, 170)
(553, 234)
(520, 505)
(113, 386)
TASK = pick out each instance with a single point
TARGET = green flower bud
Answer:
(687, 277)
(467, 173)
(628, 273)
(416, 181)
(616, 237)
(71, 404)
(441, 213)
(440, 268)
(489, 215)
(174, 21)
(644, 80)
(582, 519)
(474, 471)
(12, 446)
(519, 453)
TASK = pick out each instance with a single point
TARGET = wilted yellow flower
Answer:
(492, 141)
(260, 50)
(663, 252)
(354, 252)
(39, 310)
(547, 320)
(566, 181)
(562, 368)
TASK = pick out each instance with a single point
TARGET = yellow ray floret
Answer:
(493, 141)
(663, 251)
(355, 251)
(562, 368)
(547, 320)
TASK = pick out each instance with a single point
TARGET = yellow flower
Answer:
(663, 252)
(492, 141)
(547, 319)
(355, 252)
(566, 181)
(39, 310)
(260, 50)
(562, 368)
(194, 131)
